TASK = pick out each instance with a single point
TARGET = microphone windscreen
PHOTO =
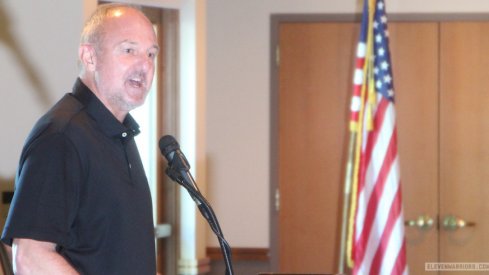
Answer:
(168, 144)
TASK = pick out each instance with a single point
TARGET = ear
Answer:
(87, 56)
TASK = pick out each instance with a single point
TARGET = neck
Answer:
(90, 83)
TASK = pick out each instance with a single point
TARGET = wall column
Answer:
(192, 242)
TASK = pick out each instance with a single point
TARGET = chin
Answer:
(137, 98)
(135, 104)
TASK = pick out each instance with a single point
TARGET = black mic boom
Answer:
(179, 170)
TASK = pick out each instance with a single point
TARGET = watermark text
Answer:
(456, 266)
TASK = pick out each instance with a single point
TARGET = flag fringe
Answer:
(367, 69)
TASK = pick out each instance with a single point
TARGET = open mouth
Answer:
(136, 82)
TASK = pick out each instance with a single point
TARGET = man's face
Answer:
(125, 61)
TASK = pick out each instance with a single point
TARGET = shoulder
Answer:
(57, 126)
(60, 119)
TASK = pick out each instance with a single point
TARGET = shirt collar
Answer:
(109, 125)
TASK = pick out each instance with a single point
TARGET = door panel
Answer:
(314, 77)
(415, 74)
(464, 139)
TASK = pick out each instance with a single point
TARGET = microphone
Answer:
(178, 166)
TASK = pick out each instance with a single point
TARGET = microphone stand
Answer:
(179, 175)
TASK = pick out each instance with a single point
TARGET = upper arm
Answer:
(45, 200)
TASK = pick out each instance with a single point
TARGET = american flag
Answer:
(376, 242)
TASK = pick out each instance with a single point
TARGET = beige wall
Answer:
(38, 48)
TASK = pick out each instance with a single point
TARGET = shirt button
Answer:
(124, 134)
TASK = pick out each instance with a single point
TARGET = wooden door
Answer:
(314, 91)
(464, 140)
(314, 80)
(414, 55)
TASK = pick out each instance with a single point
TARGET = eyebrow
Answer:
(126, 41)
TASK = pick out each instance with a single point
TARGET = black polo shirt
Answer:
(81, 184)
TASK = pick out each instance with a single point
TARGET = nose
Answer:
(145, 62)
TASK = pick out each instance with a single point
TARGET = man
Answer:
(82, 203)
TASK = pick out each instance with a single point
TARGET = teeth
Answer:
(137, 79)
(136, 82)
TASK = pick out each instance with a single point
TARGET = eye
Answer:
(129, 50)
(151, 54)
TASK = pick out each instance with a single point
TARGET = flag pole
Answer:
(351, 169)
(346, 203)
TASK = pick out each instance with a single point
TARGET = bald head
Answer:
(94, 29)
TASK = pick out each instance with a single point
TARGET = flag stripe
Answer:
(395, 249)
(386, 235)
(400, 266)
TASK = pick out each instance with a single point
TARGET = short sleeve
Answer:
(46, 192)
